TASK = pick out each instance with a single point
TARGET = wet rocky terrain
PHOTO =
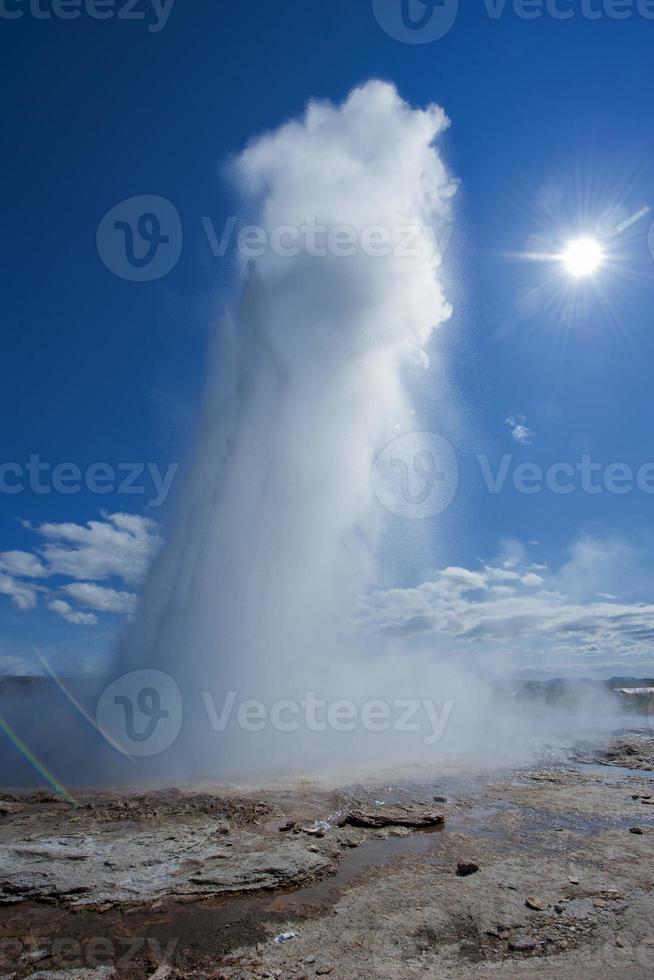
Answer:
(545, 872)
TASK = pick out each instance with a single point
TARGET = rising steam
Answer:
(259, 586)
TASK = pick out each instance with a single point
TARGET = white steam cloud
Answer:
(259, 586)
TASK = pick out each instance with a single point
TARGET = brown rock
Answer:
(415, 815)
(465, 868)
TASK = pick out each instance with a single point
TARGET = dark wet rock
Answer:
(349, 841)
(465, 868)
(414, 815)
(636, 830)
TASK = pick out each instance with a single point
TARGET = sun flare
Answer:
(582, 257)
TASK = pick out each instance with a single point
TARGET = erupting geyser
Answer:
(257, 588)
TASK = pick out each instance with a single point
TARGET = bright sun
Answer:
(582, 257)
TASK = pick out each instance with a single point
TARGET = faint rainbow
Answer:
(35, 763)
(80, 707)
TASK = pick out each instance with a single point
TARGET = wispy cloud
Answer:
(519, 429)
(22, 596)
(116, 549)
(554, 615)
(120, 545)
(71, 615)
(22, 564)
(100, 597)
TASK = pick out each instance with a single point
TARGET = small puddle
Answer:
(373, 853)
(612, 774)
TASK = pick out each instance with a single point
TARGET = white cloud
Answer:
(72, 615)
(462, 579)
(100, 597)
(121, 545)
(501, 575)
(519, 429)
(22, 564)
(502, 590)
(22, 596)
(558, 622)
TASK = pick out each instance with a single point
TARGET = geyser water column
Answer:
(257, 588)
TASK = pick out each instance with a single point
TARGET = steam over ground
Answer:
(258, 592)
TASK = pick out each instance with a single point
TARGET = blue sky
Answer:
(551, 136)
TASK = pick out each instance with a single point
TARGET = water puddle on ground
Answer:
(612, 774)
(502, 822)
(371, 854)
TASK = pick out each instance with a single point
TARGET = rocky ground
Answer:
(544, 873)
